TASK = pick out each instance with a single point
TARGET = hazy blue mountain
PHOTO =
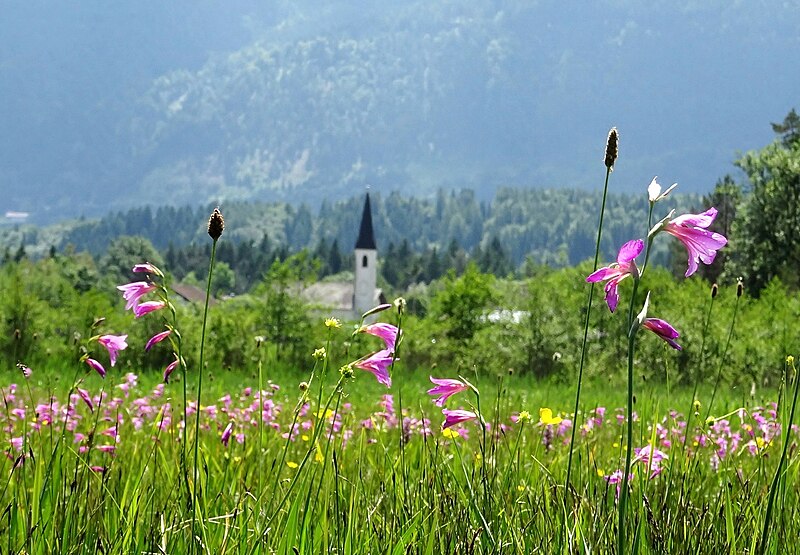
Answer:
(112, 105)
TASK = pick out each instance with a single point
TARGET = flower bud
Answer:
(216, 224)
(714, 291)
(739, 287)
(377, 309)
(612, 148)
(303, 386)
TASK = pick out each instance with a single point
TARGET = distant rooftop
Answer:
(15, 217)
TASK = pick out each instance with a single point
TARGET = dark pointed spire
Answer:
(366, 237)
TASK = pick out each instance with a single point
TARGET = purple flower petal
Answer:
(114, 344)
(701, 244)
(378, 363)
(148, 307)
(387, 332)
(445, 388)
(147, 268)
(616, 272)
(96, 366)
(453, 417)
(629, 251)
(134, 291)
(696, 220)
(157, 338)
(169, 369)
(664, 330)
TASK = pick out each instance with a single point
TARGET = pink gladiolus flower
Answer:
(651, 458)
(387, 332)
(453, 417)
(156, 339)
(134, 291)
(616, 272)
(114, 344)
(616, 479)
(86, 398)
(445, 388)
(96, 366)
(662, 329)
(169, 369)
(226, 434)
(148, 307)
(378, 363)
(702, 244)
(146, 268)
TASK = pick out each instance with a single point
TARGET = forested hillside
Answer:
(116, 106)
(552, 227)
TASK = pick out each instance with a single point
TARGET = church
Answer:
(349, 300)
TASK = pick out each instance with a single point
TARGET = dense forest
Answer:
(418, 239)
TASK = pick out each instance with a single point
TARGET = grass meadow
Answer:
(349, 466)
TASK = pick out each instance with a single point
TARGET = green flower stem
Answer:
(773, 489)
(722, 358)
(200, 390)
(623, 496)
(633, 328)
(586, 334)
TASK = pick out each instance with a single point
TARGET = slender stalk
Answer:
(586, 333)
(623, 496)
(763, 542)
(722, 357)
(200, 389)
(632, 330)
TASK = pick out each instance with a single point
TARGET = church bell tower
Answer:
(366, 265)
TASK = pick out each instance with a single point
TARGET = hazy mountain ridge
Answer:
(304, 102)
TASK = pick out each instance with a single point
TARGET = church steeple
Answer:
(366, 267)
(366, 237)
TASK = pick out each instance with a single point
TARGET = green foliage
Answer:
(283, 316)
(124, 253)
(767, 231)
(460, 307)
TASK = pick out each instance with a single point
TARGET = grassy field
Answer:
(347, 465)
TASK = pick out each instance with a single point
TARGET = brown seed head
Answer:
(216, 225)
(714, 290)
(612, 148)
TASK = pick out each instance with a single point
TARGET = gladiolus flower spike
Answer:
(134, 291)
(114, 344)
(147, 268)
(96, 366)
(378, 363)
(387, 332)
(157, 338)
(453, 417)
(445, 388)
(148, 307)
(701, 244)
(662, 329)
(169, 369)
(616, 272)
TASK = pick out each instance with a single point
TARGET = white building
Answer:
(349, 301)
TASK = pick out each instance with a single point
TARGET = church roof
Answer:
(366, 237)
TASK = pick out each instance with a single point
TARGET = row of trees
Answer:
(458, 322)
(760, 214)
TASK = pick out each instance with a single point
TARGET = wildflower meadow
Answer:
(392, 437)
